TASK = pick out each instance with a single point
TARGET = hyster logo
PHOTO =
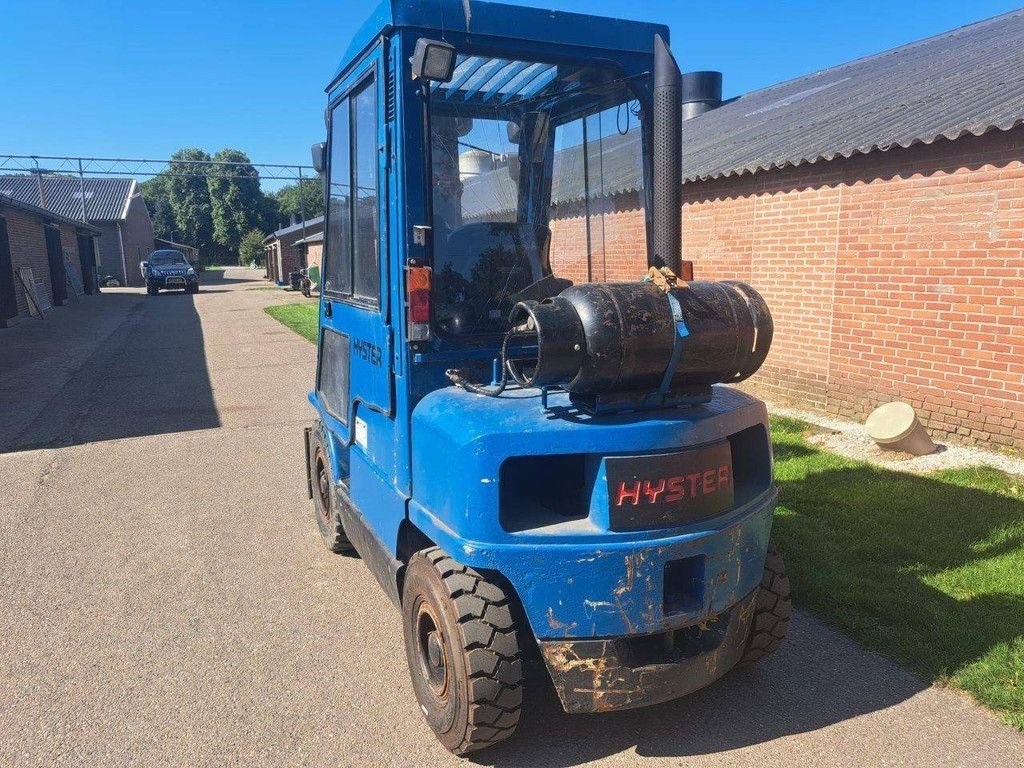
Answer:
(368, 351)
(666, 490)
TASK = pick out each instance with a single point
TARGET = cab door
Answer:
(354, 376)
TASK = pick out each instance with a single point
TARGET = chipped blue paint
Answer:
(562, 572)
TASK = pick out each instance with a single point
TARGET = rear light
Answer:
(417, 284)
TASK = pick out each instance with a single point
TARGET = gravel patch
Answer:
(851, 440)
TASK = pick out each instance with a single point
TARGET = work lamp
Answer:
(433, 60)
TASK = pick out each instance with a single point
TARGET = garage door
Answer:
(8, 299)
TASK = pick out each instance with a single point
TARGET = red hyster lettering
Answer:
(674, 488)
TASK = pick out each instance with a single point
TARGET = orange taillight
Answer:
(417, 283)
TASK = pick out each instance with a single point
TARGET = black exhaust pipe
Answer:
(667, 165)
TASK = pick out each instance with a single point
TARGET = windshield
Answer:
(528, 160)
(167, 258)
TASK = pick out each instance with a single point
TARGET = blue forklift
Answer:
(531, 461)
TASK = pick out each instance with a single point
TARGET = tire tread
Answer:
(334, 537)
(772, 608)
(493, 653)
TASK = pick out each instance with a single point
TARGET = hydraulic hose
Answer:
(456, 376)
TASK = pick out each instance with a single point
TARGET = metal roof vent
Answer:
(702, 92)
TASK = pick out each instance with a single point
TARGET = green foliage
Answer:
(251, 248)
(928, 569)
(303, 318)
(290, 203)
(157, 195)
(189, 195)
(235, 202)
(202, 206)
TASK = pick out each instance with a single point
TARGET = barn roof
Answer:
(966, 81)
(13, 202)
(291, 228)
(105, 199)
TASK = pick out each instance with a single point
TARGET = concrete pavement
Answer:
(165, 599)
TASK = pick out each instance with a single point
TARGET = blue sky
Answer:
(142, 79)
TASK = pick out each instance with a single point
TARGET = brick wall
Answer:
(28, 249)
(137, 234)
(315, 255)
(894, 275)
(617, 240)
(109, 253)
(26, 234)
(284, 257)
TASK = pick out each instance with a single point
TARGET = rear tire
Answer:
(772, 610)
(463, 651)
(325, 498)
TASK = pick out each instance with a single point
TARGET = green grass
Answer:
(926, 569)
(301, 318)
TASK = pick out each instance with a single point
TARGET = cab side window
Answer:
(338, 258)
(353, 260)
(366, 260)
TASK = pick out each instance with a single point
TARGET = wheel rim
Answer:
(431, 652)
(323, 487)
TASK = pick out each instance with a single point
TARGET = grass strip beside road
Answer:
(928, 570)
(302, 318)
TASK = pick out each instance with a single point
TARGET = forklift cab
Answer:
(472, 151)
(439, 198)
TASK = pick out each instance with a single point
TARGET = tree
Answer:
(214, 207)
(156, 193)
(312, 200)
(251, 248)
(189, 196)
(235, 199)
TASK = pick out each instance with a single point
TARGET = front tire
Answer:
(325, 499)
(772, 610)
(151, 289)
(463, 652)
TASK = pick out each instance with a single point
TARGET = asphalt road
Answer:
(165, 599)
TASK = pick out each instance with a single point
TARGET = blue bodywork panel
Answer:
(577, 578)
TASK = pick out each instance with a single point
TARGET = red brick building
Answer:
(113, 205)
(284, 251)
(879, 208)
(60, 253)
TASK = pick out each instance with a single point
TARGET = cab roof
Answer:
(500, 20)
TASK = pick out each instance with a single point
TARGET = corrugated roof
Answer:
(280, 233)
(317, 238)
(13, 202)
(615, 163)
(967, 81)
(104, 198)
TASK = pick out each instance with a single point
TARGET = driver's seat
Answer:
(487, 264)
